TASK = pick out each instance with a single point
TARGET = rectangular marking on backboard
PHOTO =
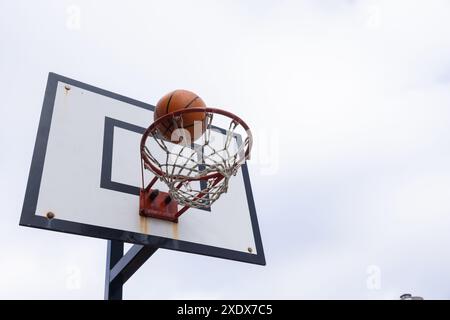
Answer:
(106, 181)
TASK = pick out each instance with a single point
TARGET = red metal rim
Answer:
(153, 126)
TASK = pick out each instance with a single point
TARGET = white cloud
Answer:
(357, 92)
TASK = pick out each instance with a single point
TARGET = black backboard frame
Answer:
(30, 219)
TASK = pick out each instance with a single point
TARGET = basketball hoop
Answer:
(196, 172)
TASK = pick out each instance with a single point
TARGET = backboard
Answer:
(85, 179)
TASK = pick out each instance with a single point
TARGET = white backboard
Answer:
(86, 171)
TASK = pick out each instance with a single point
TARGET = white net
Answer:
(197, 172)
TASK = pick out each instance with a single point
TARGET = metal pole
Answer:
(113, 290)
(120, 267)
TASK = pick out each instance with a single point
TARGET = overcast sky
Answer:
(349, 102)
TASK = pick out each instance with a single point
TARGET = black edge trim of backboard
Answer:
(253, 216)
(100, 91)
(30, 219)
(40, 148)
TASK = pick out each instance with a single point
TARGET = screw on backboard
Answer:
(50, 215)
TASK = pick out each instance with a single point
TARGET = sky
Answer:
(349, 103)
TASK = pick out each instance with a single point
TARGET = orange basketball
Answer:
(177, 100)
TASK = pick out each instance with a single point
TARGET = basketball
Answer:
(178, 100)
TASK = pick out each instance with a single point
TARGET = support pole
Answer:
(119, 267)
(114, 252)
